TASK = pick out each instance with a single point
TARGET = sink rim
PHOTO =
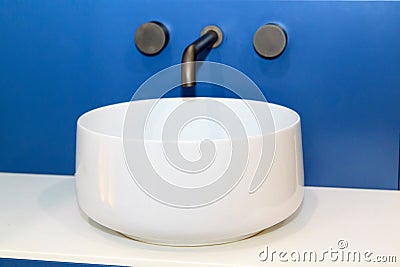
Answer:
(273, 108)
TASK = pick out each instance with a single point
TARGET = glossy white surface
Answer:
(40, 219)
(107, 193)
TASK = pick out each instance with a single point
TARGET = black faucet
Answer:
(211, 37)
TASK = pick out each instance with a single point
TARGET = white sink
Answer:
(149, 177)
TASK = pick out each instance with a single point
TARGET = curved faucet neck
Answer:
(190, 56)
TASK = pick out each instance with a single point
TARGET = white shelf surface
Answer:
(40, 219)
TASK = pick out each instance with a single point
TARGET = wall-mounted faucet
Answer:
(211, 37)
(269, 42)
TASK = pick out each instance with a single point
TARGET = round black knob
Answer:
(270, 40)
(151, 38)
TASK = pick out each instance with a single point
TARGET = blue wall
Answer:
(340, 71)
(7, 262)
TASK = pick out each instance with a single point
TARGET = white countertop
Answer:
(40, 219)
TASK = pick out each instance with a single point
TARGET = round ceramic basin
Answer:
(147, 171)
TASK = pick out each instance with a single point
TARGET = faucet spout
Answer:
(190, 55)
(211, 37)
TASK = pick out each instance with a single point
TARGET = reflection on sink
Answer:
(189, 171)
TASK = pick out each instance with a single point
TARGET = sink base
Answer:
(217, 242)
